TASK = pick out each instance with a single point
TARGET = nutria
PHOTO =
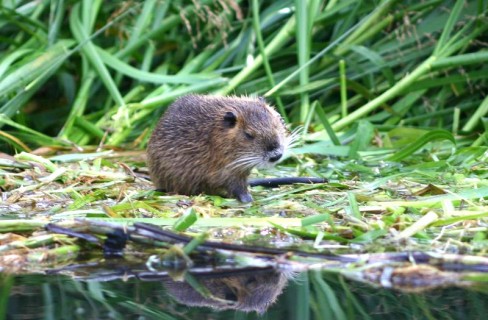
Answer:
(210, 144)
(255, 290)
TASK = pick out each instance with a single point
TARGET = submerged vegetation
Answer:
(391, 97)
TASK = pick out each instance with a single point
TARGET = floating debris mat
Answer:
(94, 250)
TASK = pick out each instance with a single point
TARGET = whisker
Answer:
(244, 163)
(244, 159)
(294, 138)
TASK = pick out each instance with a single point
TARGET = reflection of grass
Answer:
(339, 299)
(391, 97)
(312, 296)
(60, 297)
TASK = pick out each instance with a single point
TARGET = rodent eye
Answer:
(249, 136)
(230, 119)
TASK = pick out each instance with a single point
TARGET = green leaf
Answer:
(37, 69)
(362, 140)
(451, 22)
(315, 219)
(330, 301)
(186, 220)
(92, 55)
(8, 60)
(420, 142)
(480, 112)
(377, 60)
(353, 208)
(75, 157)
(40, 137)
(325, 122)
(124, 68)
(323, 148)
(369, 236)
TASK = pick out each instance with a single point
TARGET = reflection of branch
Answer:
(109, 270)
(155, 232)
(72, 233)
(140, 232)
(211, 260)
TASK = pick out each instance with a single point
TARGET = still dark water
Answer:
(313, 295)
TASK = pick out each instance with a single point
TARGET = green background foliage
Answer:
(87, 72)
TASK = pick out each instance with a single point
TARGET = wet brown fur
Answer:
(197, 147)
(247, 292)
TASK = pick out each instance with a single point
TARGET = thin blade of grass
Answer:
(451, 22)
(480, 112)
(325, 122)
(124, 68)
(40, 137)
(331, 300)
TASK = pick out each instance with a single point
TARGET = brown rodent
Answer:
(210, 144)
(254, 290)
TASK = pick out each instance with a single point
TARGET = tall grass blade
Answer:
(451, 22)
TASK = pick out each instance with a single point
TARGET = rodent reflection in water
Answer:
(255, 291)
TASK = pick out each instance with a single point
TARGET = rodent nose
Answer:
(272, 146)
(276, 157)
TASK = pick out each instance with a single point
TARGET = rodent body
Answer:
(210, 144)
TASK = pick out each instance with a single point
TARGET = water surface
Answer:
(312, 295)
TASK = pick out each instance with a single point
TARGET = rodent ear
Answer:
(230, 119)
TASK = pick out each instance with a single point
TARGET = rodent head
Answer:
(257, 133)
